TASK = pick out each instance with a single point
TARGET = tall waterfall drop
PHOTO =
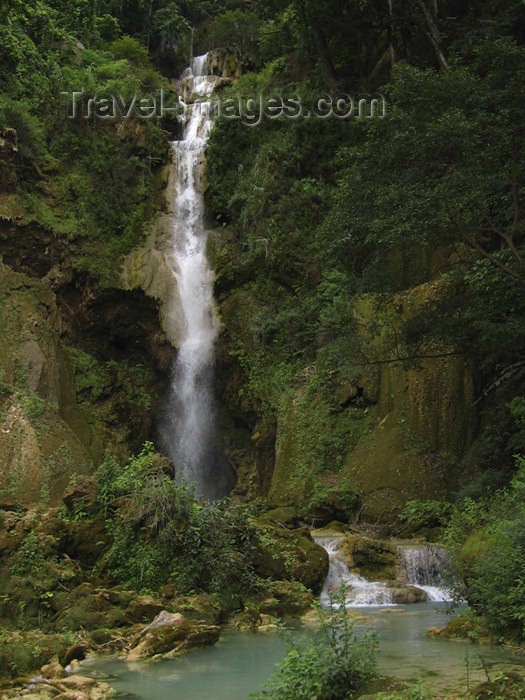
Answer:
(187, 424)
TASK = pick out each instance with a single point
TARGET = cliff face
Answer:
(395, 430)
(81, 368)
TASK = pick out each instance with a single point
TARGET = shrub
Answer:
(161, 534)
(329, 665)
(487, 543)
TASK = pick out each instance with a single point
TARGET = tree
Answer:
(445, 168)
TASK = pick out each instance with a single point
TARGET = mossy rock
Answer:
(76, 652)
(465, 627)
(283, 554)
(90, 609)
(174, 639)
(143, 609)
(383, 684)
(373, 559)
(285, 515)
(248, 619)
(82, 540)
(509, 685)
(285, 598)
(25, 652)
(198, 607)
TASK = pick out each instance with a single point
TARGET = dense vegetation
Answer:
(325, 211)
(326, 220)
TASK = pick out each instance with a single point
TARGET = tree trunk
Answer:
(322, 46)
(433, 33)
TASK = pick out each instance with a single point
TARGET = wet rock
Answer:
(83, 688)
(283, 554)
(53, 670)
(466, 628)
(249, 619)
(286, 598)
(371, 558)
(402, 595)
(173, 639)
(83, 493)
(76, 651)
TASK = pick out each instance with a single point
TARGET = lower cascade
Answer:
(424, 566)
(187, 424)
(419, 566)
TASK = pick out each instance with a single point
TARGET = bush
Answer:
(487, 543)
(161, 534)
(418, 514)
(329, 666)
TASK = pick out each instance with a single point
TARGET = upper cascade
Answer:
(187, 425)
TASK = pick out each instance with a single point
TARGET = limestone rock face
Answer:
(83, 491)
(148, 268)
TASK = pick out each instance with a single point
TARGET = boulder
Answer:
(173, 639)
(83, 688)
(165, 619)
(82, 493)
(373, 559)
(53, 670)
(283, 554)
(286, 598)
(143, 608)
(402, 595)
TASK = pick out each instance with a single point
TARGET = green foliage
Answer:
(417, 693)
(417, 514)
(234, 29)
(30, 559)
(107, 474)
(161, 534)
(131, 49)
(328, 665)
(487, 545)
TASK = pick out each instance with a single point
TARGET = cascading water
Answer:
(359, 590)
(424, 566)
(187, 424)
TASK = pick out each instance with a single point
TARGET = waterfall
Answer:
(424, 566)
(359, 590)
(420, 566)
(187, 424)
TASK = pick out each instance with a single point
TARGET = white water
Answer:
(187, 426)
(423, 564)
(359, 590)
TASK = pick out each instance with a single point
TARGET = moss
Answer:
(312, 442)
(373, 559)
(280, 553)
